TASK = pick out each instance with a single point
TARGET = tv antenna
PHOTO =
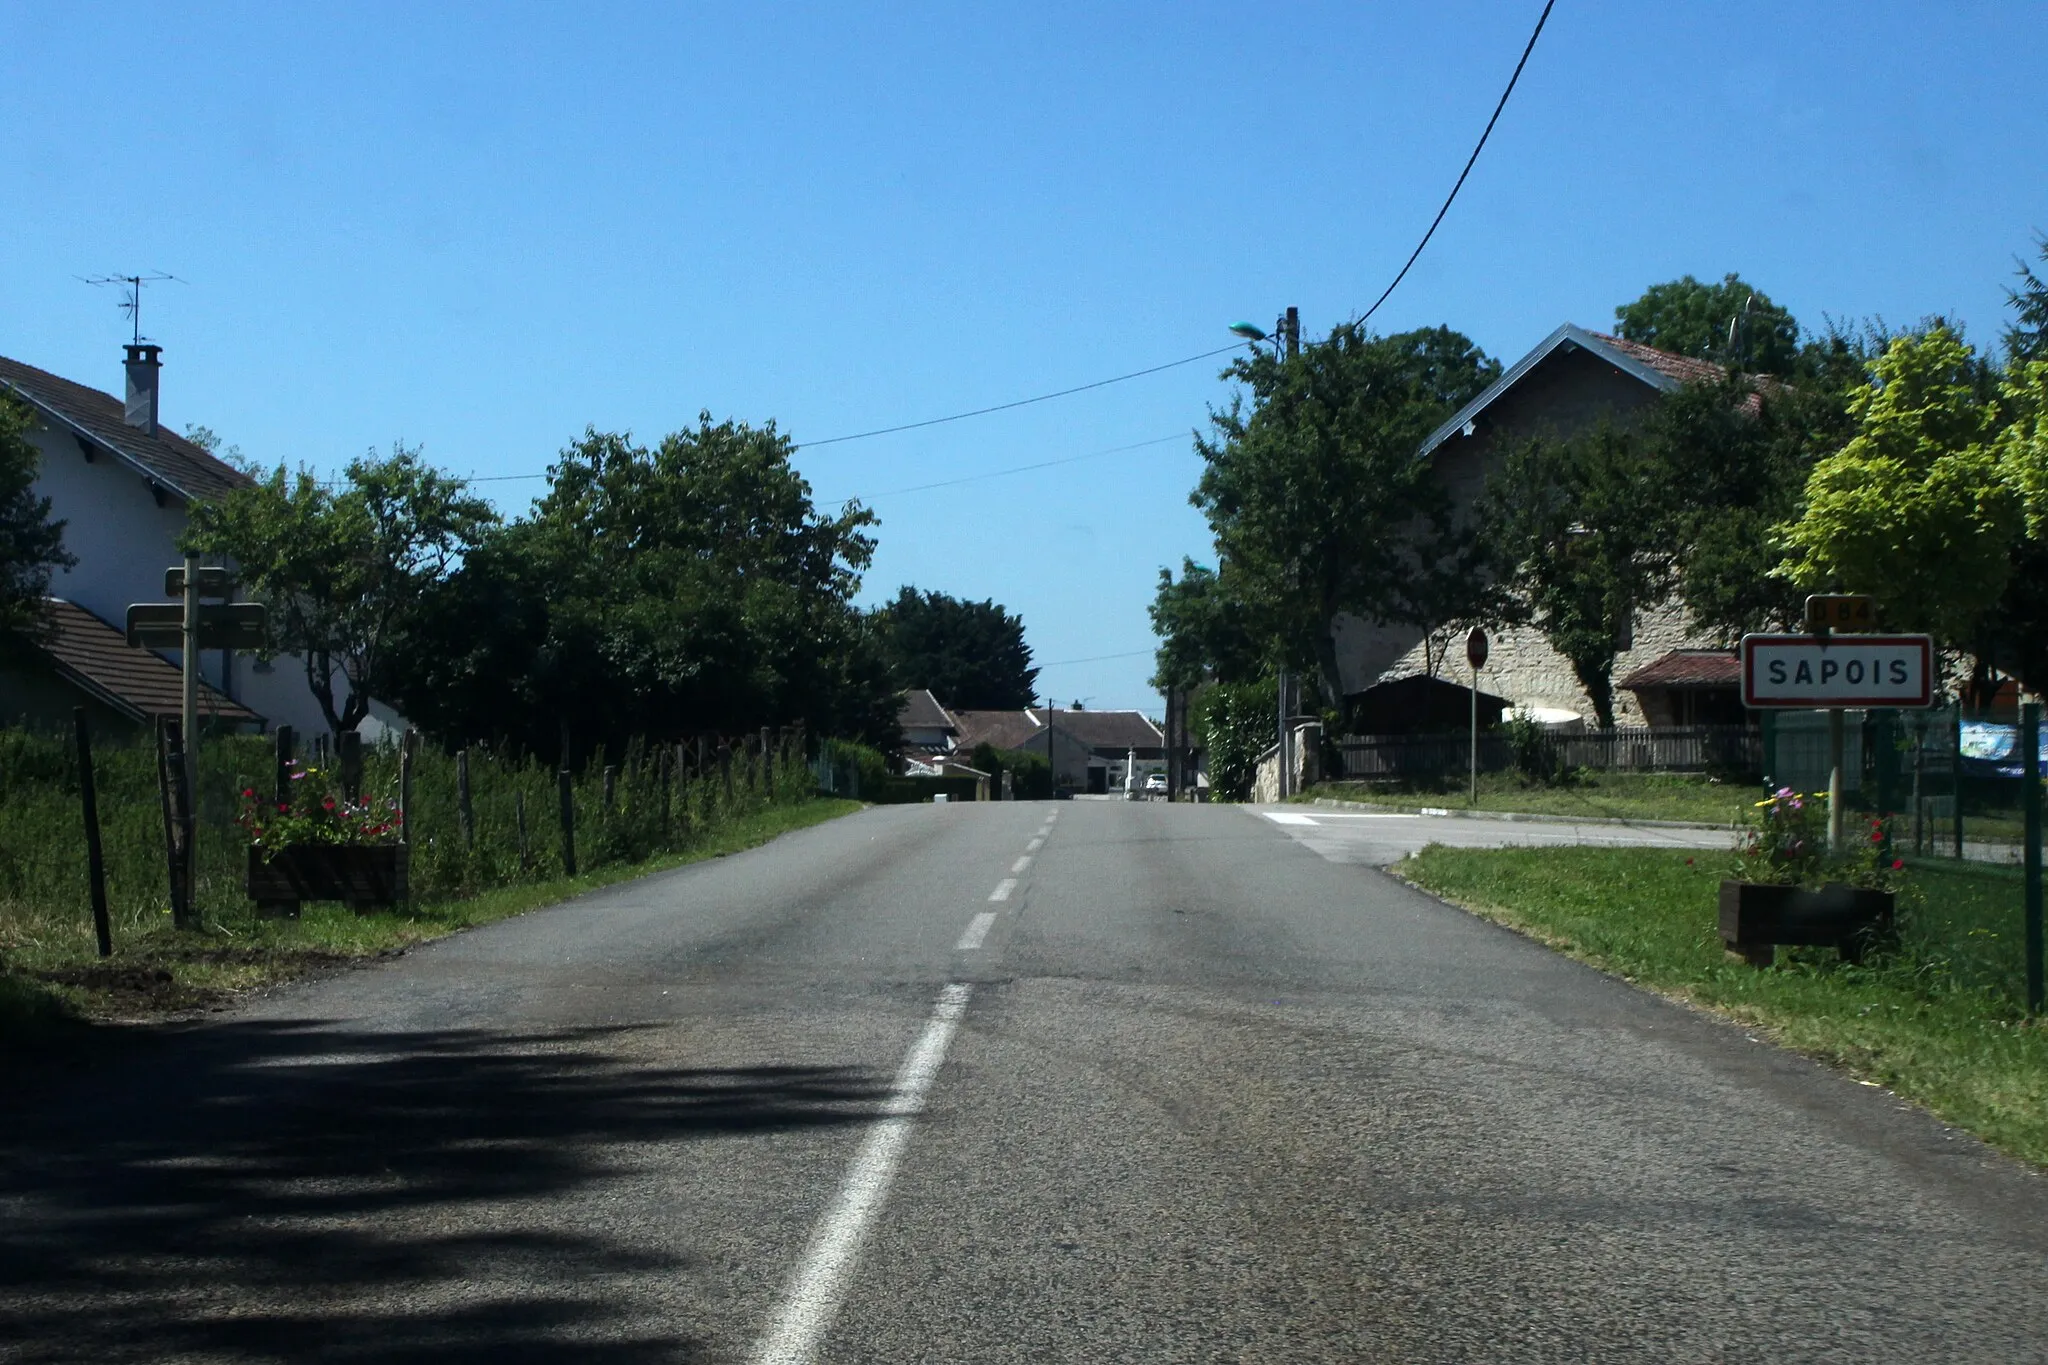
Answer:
(131, 294)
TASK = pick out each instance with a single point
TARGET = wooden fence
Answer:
(1673, 749)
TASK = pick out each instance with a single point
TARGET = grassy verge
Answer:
(56, 985)
(1934, 1021)
(1628, 796)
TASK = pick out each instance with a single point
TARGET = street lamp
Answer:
(1247, 331)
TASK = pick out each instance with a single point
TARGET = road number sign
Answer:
(1830, 612)
(1839, 670)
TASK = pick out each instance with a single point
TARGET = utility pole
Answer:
(189, 720)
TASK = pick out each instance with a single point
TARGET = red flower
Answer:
(327, 803)
(1898, 863)
(248, 791)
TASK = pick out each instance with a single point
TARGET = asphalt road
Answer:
(1181, 1087)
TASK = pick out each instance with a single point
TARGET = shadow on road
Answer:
(260, 1191)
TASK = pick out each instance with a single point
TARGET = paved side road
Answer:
(1003, 1082)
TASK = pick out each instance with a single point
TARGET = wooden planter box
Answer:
(361, 876)
(1757, 916)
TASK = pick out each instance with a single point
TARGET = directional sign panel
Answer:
(161, 625)
(1837, 670)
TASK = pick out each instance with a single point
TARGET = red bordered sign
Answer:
(1837, 670)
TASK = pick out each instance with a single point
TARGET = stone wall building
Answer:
(1567, 384)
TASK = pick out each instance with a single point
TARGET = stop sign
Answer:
(1475, 648)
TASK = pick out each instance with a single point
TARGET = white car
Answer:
(1155, 782)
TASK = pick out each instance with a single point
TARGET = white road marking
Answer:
(1052, 817)
(1035, 844)
(1281, 817)
(1003, 889)
(1365, 815)
(977, 930)
(811, 1300)
(1021, 863)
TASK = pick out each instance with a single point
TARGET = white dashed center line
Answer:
(1035, 844)
(1003, 889)
(976, 932)
(812, 1298)
(1021, 863)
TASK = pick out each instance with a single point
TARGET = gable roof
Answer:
(998, 729)
(97, 659)
(1110, 729)
(98, 420)
(921, 711)
(1660, 370)
(1688, 668)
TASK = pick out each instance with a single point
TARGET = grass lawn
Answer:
(52, 984)
(1935, 1021)
(1631, 796)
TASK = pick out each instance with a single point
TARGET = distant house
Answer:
(1689, 687)
(928, 729)
(84, 661)
(1090, 751)
(121, 483)
(1572, 380)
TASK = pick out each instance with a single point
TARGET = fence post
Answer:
(408, 744)
(284, 765)
(519, 814)
(177, 798)
(725, 767)
(1956, 775)
(611, 786)
(465, 813)
(349, 743)
(662, 780)
(565, 794)
(95, 860)
(2030, 807)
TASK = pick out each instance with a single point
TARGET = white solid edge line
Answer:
(1021, 863)
(977, 930)
(811, 1300)
(1003, 889)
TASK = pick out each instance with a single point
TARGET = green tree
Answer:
(1317, 502)
(2026, 336)
(969, 654)
(1205, 632)
(30, 543)
(1729, 322)
(344, 569)
(680, 590)
(1585, 527)
(1917, 510)
(1234, 724)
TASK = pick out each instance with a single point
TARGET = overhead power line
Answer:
(1098, 658)
(1019, 403)
(1023, 468)
(1541, 19)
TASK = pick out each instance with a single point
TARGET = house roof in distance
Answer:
(921, 711)
(180, 467)
(998, 729)
(1688, 668)
(97, 659)
(1660, 370)
(1110, 729)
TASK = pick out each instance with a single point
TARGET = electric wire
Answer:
(1541, 19)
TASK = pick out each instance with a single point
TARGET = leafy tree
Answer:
(1317, 502)
(1729, 322)
(345, 569)
(2026, 337)
(30, 543)
(1205, 632)
(1234, 724)
(1585, 526)
(680, 590)
(970, 654)
(1916, 510)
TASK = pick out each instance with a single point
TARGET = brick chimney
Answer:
(143, 369)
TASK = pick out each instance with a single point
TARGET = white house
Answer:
(121, 484)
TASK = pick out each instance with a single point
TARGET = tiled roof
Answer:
(1688, 668)
(1000, 729)
(97, 658)
(181, 467)
(1684, 368)
(1110, 729)
(921, 711)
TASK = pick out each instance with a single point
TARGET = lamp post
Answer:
(1287, 328)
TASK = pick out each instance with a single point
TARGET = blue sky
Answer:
(485, 229)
